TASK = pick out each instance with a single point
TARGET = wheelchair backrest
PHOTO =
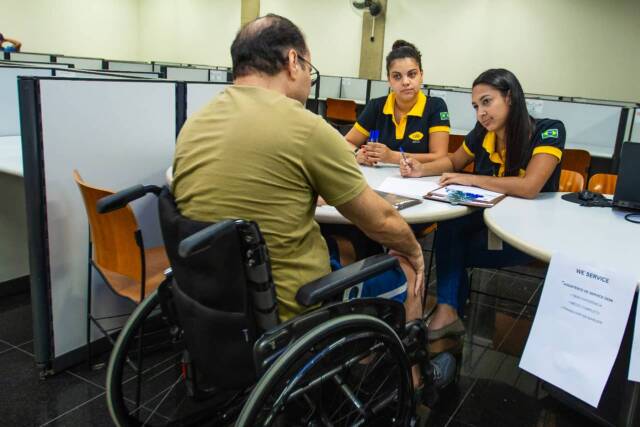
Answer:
(214, 293)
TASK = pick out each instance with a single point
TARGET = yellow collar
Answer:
(489, 145)
(417, 109)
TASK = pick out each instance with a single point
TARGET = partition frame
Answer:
(38, 230)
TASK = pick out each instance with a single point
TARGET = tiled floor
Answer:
(491, 389)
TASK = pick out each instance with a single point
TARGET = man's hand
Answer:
(417, 263)
(411, 168)
(457, 178)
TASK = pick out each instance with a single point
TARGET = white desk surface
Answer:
(11, 154)
(548, 224)
(427, 211)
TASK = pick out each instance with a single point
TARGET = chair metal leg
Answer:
(89, 293)
(428, 278)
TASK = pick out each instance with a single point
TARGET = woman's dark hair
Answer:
(403, 49)
(261, 45)
(519, 125)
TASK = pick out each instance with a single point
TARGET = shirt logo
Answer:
(550, 133)
(416, 136)
(444, 115)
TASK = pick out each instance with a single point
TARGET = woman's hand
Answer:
(380, 153)
(411, 168)
(457, 178)
(362, 156)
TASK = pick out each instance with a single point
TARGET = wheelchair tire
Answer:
(306, 384)
(160, 395)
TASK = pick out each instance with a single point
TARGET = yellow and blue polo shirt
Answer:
(548, 137)
(428, 115)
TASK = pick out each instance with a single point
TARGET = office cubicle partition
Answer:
(185, 74)
(355, 89)
(221, 75)
(329, 87)
(104, 74)
(117, 133)
(9, 113)
(200, 94)
(378, 88)
(635, 126)
(81, 62)
(31, 57)
(127, 66)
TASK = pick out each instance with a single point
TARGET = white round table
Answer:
(548, 224)
(427, 211)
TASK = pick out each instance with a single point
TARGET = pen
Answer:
(403, 156)
(472, 195)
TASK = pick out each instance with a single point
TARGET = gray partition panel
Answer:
(187, 74)
(82, 63)
(635, 130)
(461, 113)
(355, 89)
(9, 111)
(199, 94)
(33, 57)
(379, 88)
(129, 66)
(217, 75)
(589, 127)
(117, 134)
(329, 87)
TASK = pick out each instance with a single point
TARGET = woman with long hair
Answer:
(513, 154)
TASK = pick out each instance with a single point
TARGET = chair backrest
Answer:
(576, 160)
(341, 109)
(212, 294)
(603, 183)
(455, 142)
(112, 234)
(570, 181)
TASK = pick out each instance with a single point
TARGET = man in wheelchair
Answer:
(255, 153)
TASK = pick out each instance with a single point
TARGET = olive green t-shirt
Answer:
(257, 155)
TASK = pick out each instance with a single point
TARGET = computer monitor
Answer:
(627, 194)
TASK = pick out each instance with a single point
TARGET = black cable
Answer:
(635, 221)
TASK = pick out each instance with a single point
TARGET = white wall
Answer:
(188, 31)
(586, 48)
(98, 28)
(332, 30)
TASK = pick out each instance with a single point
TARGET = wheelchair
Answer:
(207, 347)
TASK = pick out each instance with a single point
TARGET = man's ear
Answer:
(292, 65)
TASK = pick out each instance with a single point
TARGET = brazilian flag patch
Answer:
(550, 133)
(444, 115)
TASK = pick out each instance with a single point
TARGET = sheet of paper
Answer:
(634, 363)
(407, 187)
(479, 194)
(578, 327)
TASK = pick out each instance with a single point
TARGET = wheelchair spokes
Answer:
(338, 377)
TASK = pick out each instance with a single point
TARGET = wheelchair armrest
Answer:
(120, 199)
(333, 283)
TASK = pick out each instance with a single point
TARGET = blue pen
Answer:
(403, 156)
(472, 195)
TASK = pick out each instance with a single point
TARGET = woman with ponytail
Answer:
(513, 154)
(405, 119)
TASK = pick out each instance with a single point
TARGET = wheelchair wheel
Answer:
(149, 377)
(351, 370)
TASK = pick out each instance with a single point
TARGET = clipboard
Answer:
(482, 198)
(397, 201)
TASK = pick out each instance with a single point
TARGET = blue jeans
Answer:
(391, 284)
(462, 243)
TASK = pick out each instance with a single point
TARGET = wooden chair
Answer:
(455, 142)
(341, 111)
(603, 183)
(570, 181)
(577, 160)
(117, 252)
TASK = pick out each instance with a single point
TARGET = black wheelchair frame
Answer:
(341, 363)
